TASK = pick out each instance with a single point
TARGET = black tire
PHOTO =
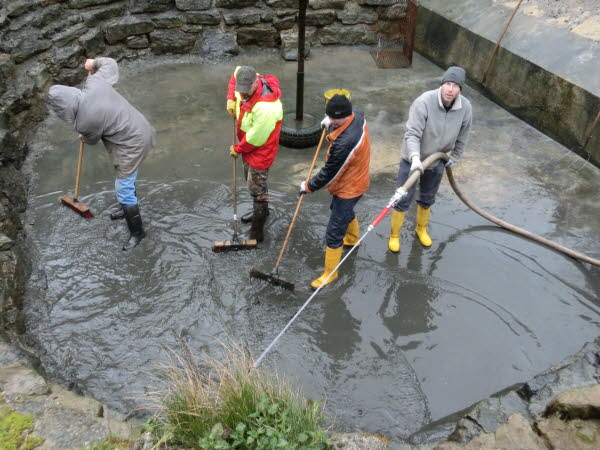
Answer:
(300, 136)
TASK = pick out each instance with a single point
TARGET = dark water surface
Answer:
(399, 340)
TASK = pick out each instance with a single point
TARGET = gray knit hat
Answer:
(456, 75)
(244, 78)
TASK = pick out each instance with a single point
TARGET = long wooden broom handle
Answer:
(78, 174)
(234, 160)
(287, 236)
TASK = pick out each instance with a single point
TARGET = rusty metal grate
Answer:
(395, 50)
(389, 55)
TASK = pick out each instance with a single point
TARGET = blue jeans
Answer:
(125, 188)
(429, 183)
(342, 213)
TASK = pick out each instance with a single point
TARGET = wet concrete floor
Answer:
(399, 340)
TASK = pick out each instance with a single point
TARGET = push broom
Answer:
(273, 277)
(235, 243)
(73, 202)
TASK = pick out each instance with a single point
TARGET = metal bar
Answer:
(495, 52)
(300, 74)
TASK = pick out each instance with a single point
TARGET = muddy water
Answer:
(399, 340)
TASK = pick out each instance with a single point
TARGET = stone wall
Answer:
(43, 42)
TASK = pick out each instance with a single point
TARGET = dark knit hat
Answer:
(244, 78)
(456, 75)
(338, 107)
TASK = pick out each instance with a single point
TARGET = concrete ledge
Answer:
(539, 96)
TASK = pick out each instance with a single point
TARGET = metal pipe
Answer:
(300, 75)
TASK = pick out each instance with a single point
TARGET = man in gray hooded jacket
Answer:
(99, 112)
(438, 121)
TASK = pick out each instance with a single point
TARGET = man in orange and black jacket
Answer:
(346, 175)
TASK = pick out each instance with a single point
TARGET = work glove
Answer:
(326, 123)
(231, 107)
(303, 188)
(416, 164)
(232, 151)
(449, 163)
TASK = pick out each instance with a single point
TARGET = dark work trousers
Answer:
(342, 213)
(429, 183)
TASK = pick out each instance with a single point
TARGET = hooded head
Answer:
(64, 101)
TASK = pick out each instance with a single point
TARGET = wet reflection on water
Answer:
(398, 340)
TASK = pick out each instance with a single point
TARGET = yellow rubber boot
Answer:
(332, 259)
(397, 221)
(422, 220)
(351, 238)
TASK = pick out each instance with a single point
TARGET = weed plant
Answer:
(231, 405)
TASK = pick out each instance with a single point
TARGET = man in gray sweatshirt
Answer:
(438, 121)
(99, 112)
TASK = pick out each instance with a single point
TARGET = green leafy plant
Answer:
(15, 430)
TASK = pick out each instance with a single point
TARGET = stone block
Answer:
(577, 433)
(231, 4)
(210, 17)
(70, 56)
(148, 6)
(169, 19)
(30, 47)
(218, 43)
(171, 41)
(320, 18)
(266, 15)
(289, 43)
(354, 14)
(283, 4)
(92, 42)
(17, 379)
(193, 5)
(380, 2)
(18, 7)
(264, 36)
(394, 12)
(96, 16)
(5, 242)
(284, 23)
(68, 35)
(581, 403)
(127, 26)
(78, 4)
(192, 28)
(348, 35)
(137, 41)
(327, 4)
(248, 16)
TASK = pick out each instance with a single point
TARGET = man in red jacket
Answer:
(254, 100)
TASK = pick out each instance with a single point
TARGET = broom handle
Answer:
(287, 236)
(78, 174)
(234, 160)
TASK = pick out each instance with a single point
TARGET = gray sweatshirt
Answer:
(99, 112)
(430, 128)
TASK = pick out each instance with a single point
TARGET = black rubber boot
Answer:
(117, 213)
(247, 218)
(136, 228)
(259, 218)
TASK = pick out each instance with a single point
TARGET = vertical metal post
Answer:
(300, 76)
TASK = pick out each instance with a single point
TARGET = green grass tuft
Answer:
(15, 430)
(232, 406)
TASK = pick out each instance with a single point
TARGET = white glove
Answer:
(303, 189)
(416, 164)
(449, 163)
(326, 122)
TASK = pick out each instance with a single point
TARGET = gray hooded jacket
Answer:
(99, 112)
(430, 128)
